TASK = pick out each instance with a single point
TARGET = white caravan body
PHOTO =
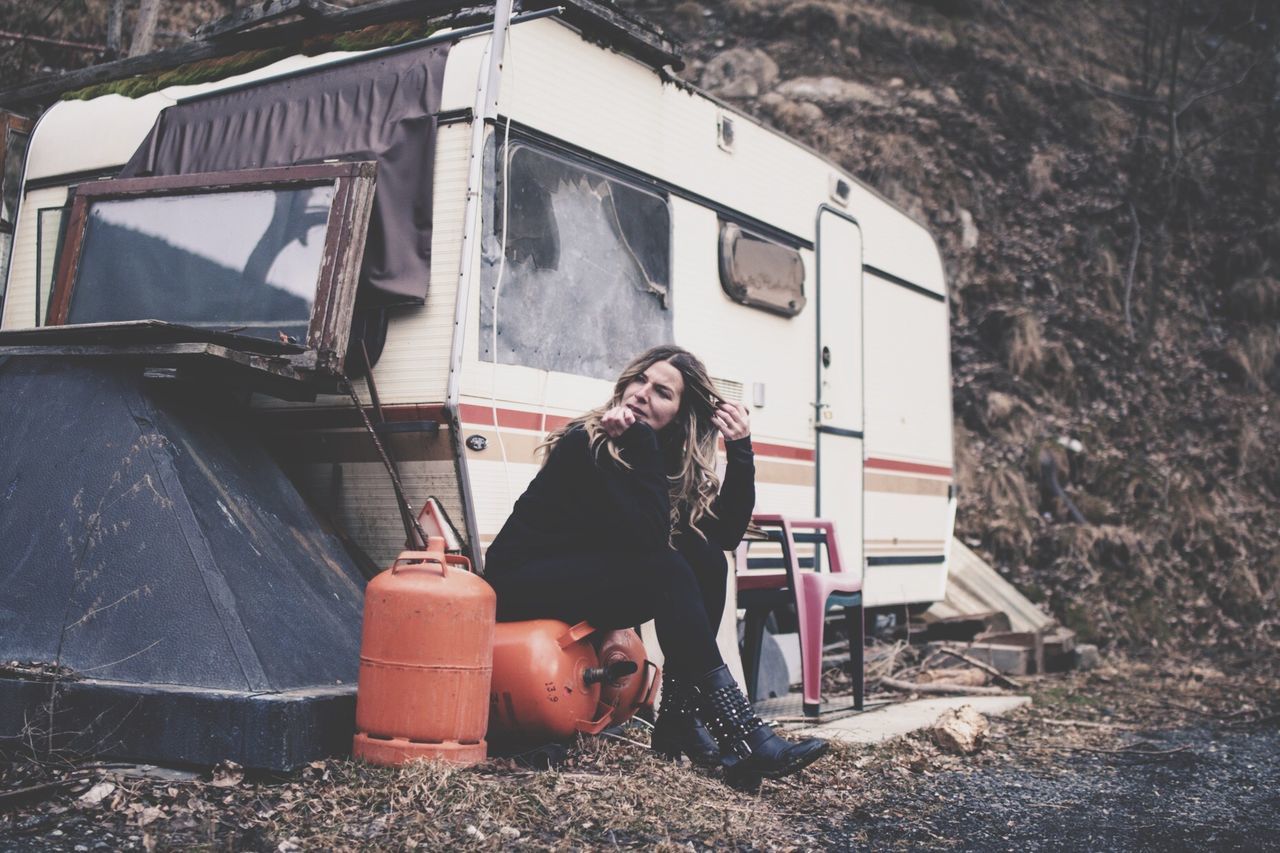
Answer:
(850, 397)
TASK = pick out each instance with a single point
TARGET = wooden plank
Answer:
(255, 14)
(975, 587)
(1008, 659)
(279, 377)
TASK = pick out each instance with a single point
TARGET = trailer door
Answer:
(839, 385)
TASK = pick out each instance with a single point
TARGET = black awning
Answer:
(382, 108)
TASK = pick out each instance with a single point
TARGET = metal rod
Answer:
(486, 108)
(412, 529)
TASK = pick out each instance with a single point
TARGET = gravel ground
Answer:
(1188, 789)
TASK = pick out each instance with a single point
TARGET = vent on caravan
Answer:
(840, 189)
(724, 132)
(728, 389)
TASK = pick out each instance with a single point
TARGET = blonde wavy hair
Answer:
(695, 485)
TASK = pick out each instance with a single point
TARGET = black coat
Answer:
(580, 502)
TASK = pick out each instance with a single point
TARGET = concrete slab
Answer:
(891, 721)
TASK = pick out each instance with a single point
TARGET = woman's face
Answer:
(654, 396)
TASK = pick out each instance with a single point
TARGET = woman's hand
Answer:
(617, 420)
(733, 420)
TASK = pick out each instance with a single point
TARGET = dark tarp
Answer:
(382, 108)
(148, 537)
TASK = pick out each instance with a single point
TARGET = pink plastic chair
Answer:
(813, 593)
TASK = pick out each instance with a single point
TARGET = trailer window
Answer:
(15, 132)
(760, 272)
(14, 152)
(266, 254)
(159, 258)
(585, 275)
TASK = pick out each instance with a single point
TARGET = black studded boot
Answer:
(678, 730)
(749, 749)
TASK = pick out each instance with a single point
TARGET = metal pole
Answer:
(488, 84)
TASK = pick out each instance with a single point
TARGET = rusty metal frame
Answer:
(330, 327)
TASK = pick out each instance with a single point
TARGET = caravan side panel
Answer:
(909, 476)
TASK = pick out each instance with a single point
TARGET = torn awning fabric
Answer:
(382, 108)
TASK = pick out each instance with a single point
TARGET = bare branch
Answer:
(1126, 96)
(1217, 90)
(1133, 265)
(144, 30)
(115, 26)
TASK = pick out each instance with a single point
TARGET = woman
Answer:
(627, 522)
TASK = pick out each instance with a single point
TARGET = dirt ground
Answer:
(1134, 756)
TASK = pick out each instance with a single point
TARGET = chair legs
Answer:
(813, 619)
(811, 641)
(857, 631)
(752, 639)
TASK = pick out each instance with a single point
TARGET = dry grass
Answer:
(1031, 356)
(610, 794)
(1255, 299)
(1257, 356)
(613, 793)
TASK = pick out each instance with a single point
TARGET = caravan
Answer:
(481, 231)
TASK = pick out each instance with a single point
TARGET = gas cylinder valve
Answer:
(612, 672)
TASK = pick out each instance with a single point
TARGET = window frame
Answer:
(522, 138)
(724, 263)
(584, 162)
(11, 126)
(42, 317)
(329, 329)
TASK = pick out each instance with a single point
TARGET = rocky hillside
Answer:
(1103, 181)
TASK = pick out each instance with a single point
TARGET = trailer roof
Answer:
(285, 26)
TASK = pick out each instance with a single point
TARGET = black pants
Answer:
(682, 591)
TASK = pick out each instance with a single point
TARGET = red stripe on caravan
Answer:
(516, 419)
(510, 418)
(913, 467)
(781, 451)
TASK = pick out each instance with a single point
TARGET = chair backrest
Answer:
(783, 530)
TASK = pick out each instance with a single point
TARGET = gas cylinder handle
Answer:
(427, 557)
(654, 673)
(458, 560)
(578, 632)
(595, 727)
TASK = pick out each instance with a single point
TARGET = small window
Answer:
(13, 154)
(15, 131)
(49, 236)
(760, 272)
(585, 275)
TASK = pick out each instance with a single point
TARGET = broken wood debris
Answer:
(942, 688)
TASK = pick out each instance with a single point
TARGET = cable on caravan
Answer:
(497, 284)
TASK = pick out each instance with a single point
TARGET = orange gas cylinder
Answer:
(426, 657)
(549, 681)
(629, 692)
(546, 683)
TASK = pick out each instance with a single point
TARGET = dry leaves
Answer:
(227, 774)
